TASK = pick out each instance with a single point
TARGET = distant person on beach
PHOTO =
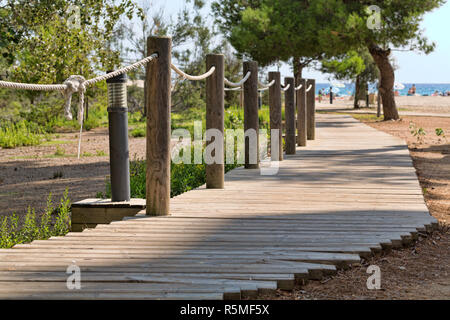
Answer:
(412, 90)
(320, 95)
(397, 93)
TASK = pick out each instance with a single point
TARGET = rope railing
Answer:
(158, 106)
(193, 78)
(233, 89)
(240, 83)
(76, 83)
(266, 86)
(32, 87)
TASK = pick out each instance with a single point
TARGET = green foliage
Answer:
(100, 153)
(50, 49)
(20, 134)
(11, 233)
(60, 152)
(138, 132)
(440, 132)
(417, 132)
(346, 67)
(184, 177)
(45, 48)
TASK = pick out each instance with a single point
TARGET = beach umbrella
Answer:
(399, 86)
(335, 90)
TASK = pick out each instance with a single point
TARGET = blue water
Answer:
(423, 89)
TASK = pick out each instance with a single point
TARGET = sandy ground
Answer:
(418, 272)
(28, 175)
(406, 105)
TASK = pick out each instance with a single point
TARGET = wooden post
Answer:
(215, 113)
(301, 114)
(241, 99)
(378, 102)
(311, 109)
(290, 115)
(158, 106)
(251, 109)
(86, 108)
(275, 109)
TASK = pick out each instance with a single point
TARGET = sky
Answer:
(413, 67)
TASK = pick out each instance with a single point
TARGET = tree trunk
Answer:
(298, 70)
(356, 102)
(387, 81)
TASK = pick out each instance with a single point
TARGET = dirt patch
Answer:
(418, 272)
(29, 174)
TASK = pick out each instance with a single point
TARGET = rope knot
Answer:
(74, 84)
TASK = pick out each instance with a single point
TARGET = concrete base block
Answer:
(91, 212)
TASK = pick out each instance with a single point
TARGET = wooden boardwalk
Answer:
(350, 193)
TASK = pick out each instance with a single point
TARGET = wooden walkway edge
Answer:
(349, 194)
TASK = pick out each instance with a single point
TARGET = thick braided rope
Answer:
(299, 87)
(233, 89)
(62, 87)
(266, 86)
(124, 70)
(240, 83)
(286, 88)
(76, 83)
(193, 78)
(33, 87)
(309, 88)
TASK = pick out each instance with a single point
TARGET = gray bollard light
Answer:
(119, 154)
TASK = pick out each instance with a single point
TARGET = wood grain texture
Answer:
(251, 119)
(215, 115)
(275, 111)
(289, 102)
(349, 194)
(159, 126)
(311, 109)
(301, 115)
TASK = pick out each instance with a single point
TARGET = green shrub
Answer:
(184, 177)
(60, 152)
(20, 134)
(100, 153)
(139, 132)
(11, 234)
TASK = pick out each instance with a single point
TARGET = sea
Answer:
(423, 89)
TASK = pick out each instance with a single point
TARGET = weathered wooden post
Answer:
(251, 119)
(311, 103)
(215, 113)
(275, 111)
(290, 115)
(301, 114)
(158, 107)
